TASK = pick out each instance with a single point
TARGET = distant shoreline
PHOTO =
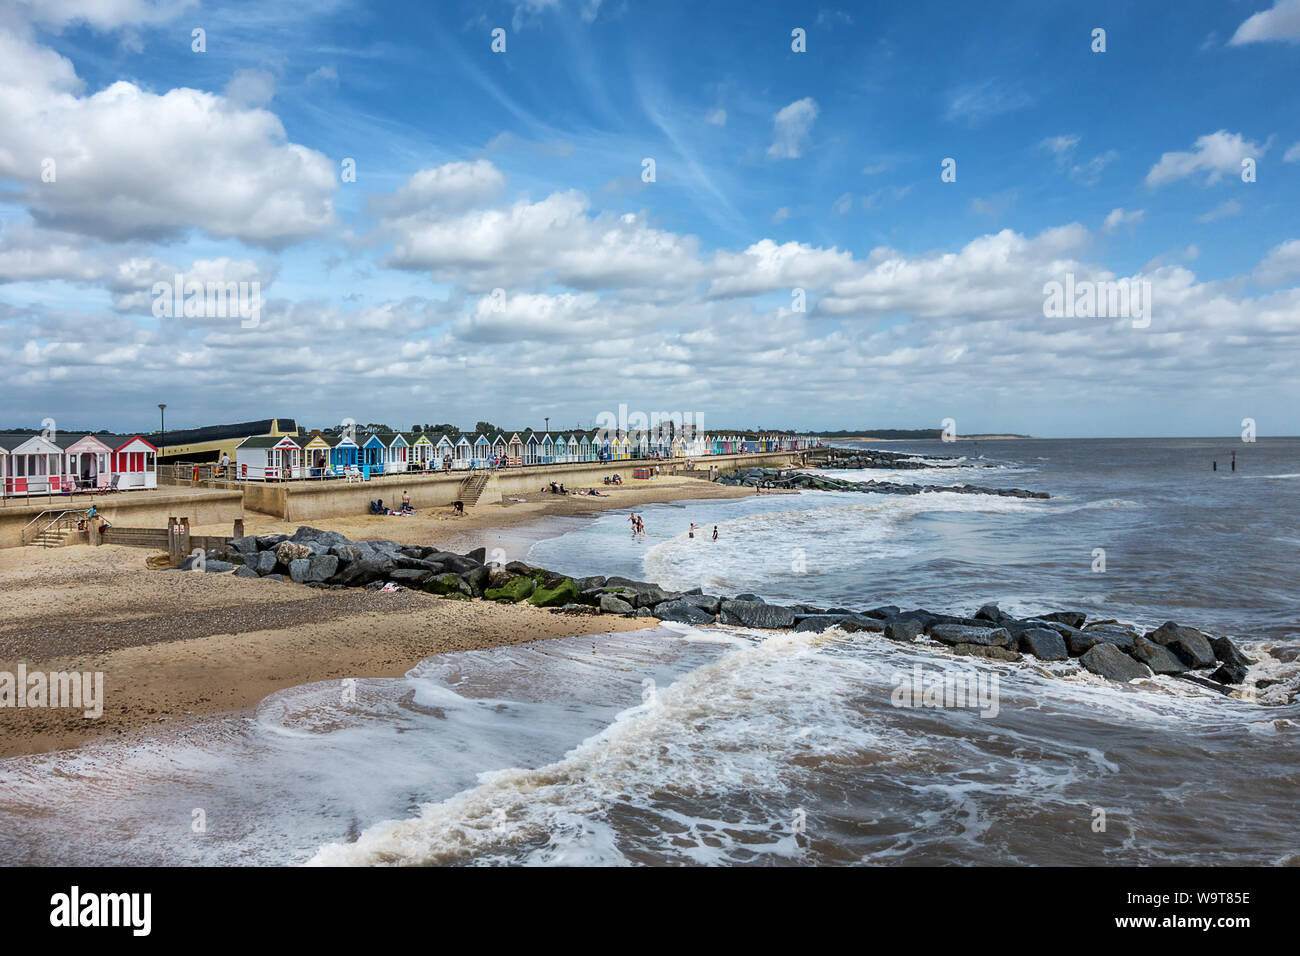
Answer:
(959, 438)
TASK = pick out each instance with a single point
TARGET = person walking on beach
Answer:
(715, 532)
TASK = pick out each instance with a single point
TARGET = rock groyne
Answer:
(1108, 648)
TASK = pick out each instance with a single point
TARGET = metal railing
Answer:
(61, 523)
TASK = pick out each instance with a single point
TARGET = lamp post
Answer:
(548, 424)
(162, 427)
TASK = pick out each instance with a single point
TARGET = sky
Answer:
(770, 215)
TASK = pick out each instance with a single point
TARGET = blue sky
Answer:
(775, 170)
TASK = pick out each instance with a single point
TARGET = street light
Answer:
(162, 423)
(548, 424)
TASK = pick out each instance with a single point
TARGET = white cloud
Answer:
(1215, 154)
(1089, 172)
(29, 254)
(717, 117)
(250, 87)
(1119, 217)
(1292, 155)
(1280, 265)
(323, 74)
(103, 14)
(1280, 22)
(452, 186)
(843, 205)
(134, 164)
(132, 281)
(525, 241)
(781, 215)
(974, 103)
(995, 276)
(790, 127)
(1222, 211)
(767, 267)
(1060, 145)
(995, 207)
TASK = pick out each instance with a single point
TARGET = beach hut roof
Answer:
(266, 441)
(11, 443)
(87, 441)
(334, 441)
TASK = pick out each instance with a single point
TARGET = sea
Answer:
(726, 746)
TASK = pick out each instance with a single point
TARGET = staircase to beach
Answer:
(50, 537)
(472, 488)
(49, 528)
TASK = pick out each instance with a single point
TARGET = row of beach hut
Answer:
(44, 463)
(320, 455)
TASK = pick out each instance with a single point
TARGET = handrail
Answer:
(59, 519)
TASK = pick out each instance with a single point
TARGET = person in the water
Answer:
(715, 532)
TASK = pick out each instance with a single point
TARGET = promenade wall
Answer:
(305, 501)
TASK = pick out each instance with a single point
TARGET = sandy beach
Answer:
(173, 645)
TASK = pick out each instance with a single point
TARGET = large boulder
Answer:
(1043, 643)
(1072, 618)
(286, 552)
(850, 623)
(962, 634)
(217, 567)
(564, 592)
(348, 553)
(757, 614)
(1228, 673)
(1110, 662)
(904, 629)
(884, 612)
(245, 572)
(369, 568)
(682, 612)
(513, 591)
(449, 584)
(710, 604)
(411, 577)
(322, 567)
(320, 541)
(298, 569)
(454, 562)
(1159, 658)
(478, 580)
(1229, 653)
(265, 562)
(478, 556)
(247, 545)
(593, 582)
(651, 596)
(990, 651)
(993, 614)
(1080, 642)
(1187, 642)
(613, 604)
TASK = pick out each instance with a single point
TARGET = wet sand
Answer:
(174, 645)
